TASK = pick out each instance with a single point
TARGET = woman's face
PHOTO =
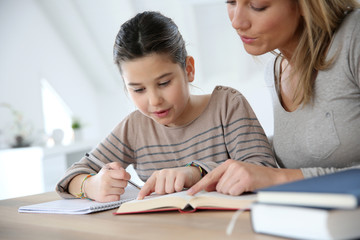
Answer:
(266, 25)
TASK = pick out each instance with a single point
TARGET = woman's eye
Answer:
(230, 2)
(258, 9)
(164, 83)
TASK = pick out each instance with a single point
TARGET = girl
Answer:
(174, 138)
(315, 82)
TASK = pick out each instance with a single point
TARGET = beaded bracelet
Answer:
(82, 188)
(192, 164)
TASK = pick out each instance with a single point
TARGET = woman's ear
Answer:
(190, 68)
(300, 9)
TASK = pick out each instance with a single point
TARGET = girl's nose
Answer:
(155, 98)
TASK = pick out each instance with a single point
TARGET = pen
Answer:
(101, 164)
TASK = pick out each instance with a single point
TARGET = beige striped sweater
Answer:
(227, 128)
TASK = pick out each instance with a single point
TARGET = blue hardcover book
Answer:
(337, 190)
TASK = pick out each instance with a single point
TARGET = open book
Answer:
(183, 202)
(79, 206)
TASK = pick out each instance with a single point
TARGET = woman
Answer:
(315, 80)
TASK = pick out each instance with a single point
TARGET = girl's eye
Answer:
(163, 84)
(139, 90)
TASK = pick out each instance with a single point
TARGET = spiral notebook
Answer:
(79, 206)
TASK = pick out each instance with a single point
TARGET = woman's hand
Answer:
(234, 178)
(108, 184)
(170, 180)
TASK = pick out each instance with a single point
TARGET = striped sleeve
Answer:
(244, 136)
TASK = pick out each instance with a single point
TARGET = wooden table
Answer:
(203, 225)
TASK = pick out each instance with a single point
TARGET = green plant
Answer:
(76, 124)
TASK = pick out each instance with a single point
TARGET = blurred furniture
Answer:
(32, 170)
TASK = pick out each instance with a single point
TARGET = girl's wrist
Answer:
(194, 176)
(82, 193)
(77, 183)
(202, 171)
(196, 173)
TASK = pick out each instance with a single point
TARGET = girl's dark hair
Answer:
(147, 33)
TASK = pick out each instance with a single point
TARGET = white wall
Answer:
(69, 42)
(31, 48)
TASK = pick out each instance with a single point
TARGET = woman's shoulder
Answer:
(353, 17)
(270, 70)
(346, 42)
(350, 25)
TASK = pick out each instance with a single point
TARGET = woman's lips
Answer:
(247, 40)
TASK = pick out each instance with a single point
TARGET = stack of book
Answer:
(325, 207)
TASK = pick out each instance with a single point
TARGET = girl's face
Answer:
(266, 25)
(159, 88)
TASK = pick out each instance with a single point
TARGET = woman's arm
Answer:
(234, 178)
(317, 171)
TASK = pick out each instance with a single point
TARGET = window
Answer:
(57, 115)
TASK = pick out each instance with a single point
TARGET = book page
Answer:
(219, 200)
(173, 200)
(180, 200)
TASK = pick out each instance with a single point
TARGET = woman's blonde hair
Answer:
(321, 18)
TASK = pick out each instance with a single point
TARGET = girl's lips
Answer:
(161, 114)
(247, 40)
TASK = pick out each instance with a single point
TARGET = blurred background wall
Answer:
(56, 64)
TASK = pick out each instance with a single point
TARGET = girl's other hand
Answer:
(170, 180)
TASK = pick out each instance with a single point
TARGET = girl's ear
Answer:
(190, 68)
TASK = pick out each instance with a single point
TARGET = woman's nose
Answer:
(239, 19)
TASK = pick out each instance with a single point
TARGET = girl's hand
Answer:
(108, 184)
(170, 180)
(234, 178)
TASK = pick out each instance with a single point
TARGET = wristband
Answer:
(82, 188)
(192, 164)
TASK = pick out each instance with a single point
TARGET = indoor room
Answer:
(179, 119)
(61, 93)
